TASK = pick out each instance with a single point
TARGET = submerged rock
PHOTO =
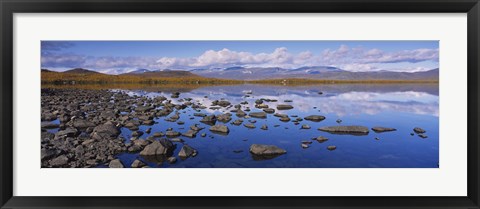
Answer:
(332, 148)
(249, 125)
(354, 130)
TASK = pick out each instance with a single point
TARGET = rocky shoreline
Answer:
(83, 128)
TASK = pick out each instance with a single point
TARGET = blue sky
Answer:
(124, 56)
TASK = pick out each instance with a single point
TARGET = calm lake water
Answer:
(399, 106)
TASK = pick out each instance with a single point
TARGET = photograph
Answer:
(239, 104)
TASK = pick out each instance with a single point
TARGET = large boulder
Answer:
(354, 130)
(160, 147)
(105, 131)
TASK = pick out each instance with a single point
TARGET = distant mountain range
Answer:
(313, 72)
(259, 73)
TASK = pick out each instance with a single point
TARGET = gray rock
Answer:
(284, 107)
(379, 129)
(263, 149)
(69, 132)
(137, 164)
(115, 164)
(172, 134)
(187, 152)
(423, 136)
(190, 133)
(305, 126)
(258, 114)
(264, 127)
(332, 148)
(49, 125)
(172, 160)
(219, 128)
(160, 147)
(249, 125)
(354, 130)
(143, 108)
(59, 161)
(210, 120)
(269, 110)
(321, 139)
(105, 131)
(224, 118)
(419, 130)
(315, 118)
(81, 123)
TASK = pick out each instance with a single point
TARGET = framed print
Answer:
(196, 104)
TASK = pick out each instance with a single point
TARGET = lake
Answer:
(399, 106)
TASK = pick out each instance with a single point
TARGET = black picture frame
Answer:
(10, 7)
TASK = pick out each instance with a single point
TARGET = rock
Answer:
(190, 133)
(219, 129)
(423, 136)
(209, 120)
(160, 147)
(280, 115)
(261, 106)
(321, 139)
(115, 164)
(419, 130)
(47, 154)
(137, 164)
(237, 122)
(315, 118)
(339, 121)
(284, 107)
(332, 148)
(382, 129)
(258, 114)
(148, 122)
(196, 127)
(143, 108)
(305, 126)
(269, 110)
(105, 131)
(305, 146)
(262, 149)
(158, 134)
(284, 119)
(172, 134)
(249, 125)
(203, 135)
(59, 161)
(354, 130)
(224, 118)
(288, 100)
(264, 127)
(223, 103)
(177, 140)
(137, 133)
(197, 114)
(187, 152)
(49, 125)
(240, 113)
(172, 160)
(69, 132)
(148, 130)
(81, 123)
(320, 92)
(258, 101)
